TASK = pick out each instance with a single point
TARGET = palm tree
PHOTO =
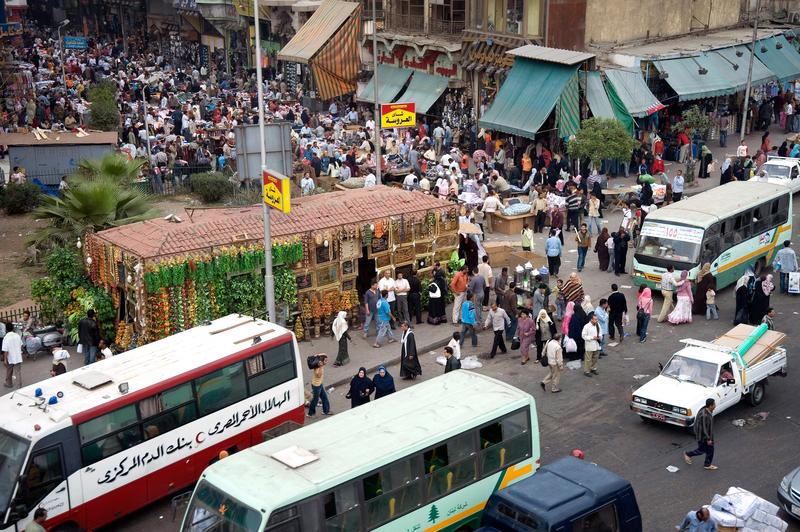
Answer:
(114, 166)
(89, 205)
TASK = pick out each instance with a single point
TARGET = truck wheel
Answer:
(756, 394)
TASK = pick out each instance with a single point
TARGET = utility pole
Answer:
(269, 282)
(746, 105)
(63, 57)
(377, 116)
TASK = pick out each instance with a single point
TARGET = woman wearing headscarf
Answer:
(409, 361)
(705, 280)
(339, 328)
(760, 302)
(573, 288)
(586, 304)
(742, 291)
(644, 305)
(705, 159)
(437, 293)
(383, 383)
(361, 388)
(601, 248)
(568, 313)
(579, 319)
(646, 195)
(727, 172)
(525, 332)
(597, 190)
(545, 329)
(682, 313)
(783, 151)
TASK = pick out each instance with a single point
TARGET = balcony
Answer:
(416, 24)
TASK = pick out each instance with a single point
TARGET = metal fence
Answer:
(15, 315)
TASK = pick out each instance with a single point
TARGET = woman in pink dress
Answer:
(567, 317)
(526, 331)
(683, 308)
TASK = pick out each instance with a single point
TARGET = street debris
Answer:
(672, 469)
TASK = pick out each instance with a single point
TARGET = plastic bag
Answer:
(80, 348)
(570, 346)
(625, 319)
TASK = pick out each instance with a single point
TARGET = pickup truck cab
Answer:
(703, 370)
(569, 495)
(782, 171)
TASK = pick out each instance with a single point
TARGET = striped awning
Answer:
(631, 88)
(568, 117)
(329, 44)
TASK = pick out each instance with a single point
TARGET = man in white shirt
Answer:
(491, 205)
(741, 151)
(370, 180)
(455, 345)
(12, 355)
(410, 181)
(401, 289)
(485, 271)
(677, 186)
(388, 284)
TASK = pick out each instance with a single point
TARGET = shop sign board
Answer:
(75, 43)
(398, 115)
(276, 191)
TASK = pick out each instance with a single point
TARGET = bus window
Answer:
(457, 472)
(212, 511)
(601, 520)
(45, 472)
(221, 388)
(270, 368)
(168, 410)
(109, 434)
(760, 219)
(342, 513)
(504, 442)
(392, 491)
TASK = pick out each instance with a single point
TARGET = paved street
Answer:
(593, 415)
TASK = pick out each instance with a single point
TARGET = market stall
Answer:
(170, 274)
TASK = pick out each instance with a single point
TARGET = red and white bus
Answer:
(101, 441)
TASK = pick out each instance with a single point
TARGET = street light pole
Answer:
(146, 129)
(63, 59)
(377, 117)
(750, 73)
(269, 282)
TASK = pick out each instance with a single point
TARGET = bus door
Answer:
(44, 483)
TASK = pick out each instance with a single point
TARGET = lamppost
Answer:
(141, 79)
(63, 59)
(377, 117)
(746, 104)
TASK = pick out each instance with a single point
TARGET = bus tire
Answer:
(756, 395)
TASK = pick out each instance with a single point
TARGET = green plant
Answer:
(104, 112)
(112, 166)
(20, 199)
(65, 279)
(693, 120)
(210, 186)
(88, 206)
(601, 138)
(92, 297)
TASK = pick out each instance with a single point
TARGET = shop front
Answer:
(165, 277)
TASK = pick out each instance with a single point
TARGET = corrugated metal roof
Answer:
(315, 33)
(64, 138)
(551, 55)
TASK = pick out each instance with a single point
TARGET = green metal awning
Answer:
(424, 90)
(391, 81)
(784, 62)
(596, 95)
(527, 97)
(740, 56)
(702, 76)
(568, 111)
(633, 92)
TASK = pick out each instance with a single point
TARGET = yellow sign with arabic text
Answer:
(276, 191)
(398, 115)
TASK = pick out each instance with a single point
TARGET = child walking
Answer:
(712, 312)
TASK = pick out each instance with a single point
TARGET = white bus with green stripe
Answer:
(734, 227)
(426, 458)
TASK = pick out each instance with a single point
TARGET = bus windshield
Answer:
(776, 170)
(12, 455)
(678, 243)
(214, 511)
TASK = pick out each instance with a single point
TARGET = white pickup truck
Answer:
(703, 370)
(782, 171)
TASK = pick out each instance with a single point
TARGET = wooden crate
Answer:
(511, 225)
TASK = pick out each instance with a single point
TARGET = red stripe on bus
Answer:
(139, 493)
(144, 393)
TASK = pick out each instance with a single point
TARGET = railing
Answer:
(396, 21)
(15, 315)
(446, 27)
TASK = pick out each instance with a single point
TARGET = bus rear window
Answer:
(212, 510)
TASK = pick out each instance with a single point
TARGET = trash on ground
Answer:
(762, 416)
(470, 362)
(672, 469)
(613, 344)
(738, 422)
(574, 364)
(640, 377)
